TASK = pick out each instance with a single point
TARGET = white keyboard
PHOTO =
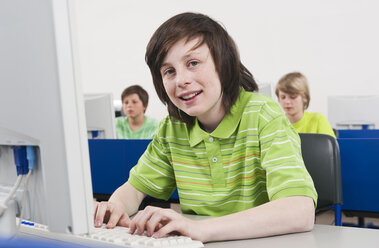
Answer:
(118, 237)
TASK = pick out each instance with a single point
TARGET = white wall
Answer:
(334, 43)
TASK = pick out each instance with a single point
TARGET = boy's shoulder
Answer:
(121, 120)
(151, 120)
(170, 125)
(255, 96)
(314, 115)
(259, 101)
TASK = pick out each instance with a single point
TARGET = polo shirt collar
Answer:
(226, 127)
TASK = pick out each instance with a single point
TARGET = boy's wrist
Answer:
(205, 230)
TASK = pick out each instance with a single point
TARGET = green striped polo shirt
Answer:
(252, 157)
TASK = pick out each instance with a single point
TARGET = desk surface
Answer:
(320, 236)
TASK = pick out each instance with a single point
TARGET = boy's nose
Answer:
(182, 78)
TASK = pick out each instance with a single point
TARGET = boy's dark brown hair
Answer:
(233, 74)
(136, 89)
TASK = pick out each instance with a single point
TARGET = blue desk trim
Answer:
(361, 133)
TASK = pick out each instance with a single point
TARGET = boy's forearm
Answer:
(129, 197)
(286, 215)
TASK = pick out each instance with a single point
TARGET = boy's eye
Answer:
(168, 71)
(193, 63)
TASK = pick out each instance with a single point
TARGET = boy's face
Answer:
(291, 104)
(133, 106)
(191, 81)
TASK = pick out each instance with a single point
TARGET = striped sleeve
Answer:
(153, 173)
(281, 157)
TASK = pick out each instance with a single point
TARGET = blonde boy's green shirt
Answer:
(252, 157)
(314, 123)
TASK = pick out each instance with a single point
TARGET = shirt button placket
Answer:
(214, 159)
(213, 150)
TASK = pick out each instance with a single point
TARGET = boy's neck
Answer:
(136, 122)
(210, 126)
(295, 118)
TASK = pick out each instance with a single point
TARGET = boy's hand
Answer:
(110, 213)
(159, 222)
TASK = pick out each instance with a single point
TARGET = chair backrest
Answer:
(321, 156)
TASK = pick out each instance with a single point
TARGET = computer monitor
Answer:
(117, 103)
(100, 115)
(41, 105)
(353, 112)
(265, 88)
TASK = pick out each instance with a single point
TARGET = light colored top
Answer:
(314, 123)
(147, 130)
(252, 157)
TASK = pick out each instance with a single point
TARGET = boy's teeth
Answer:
(189, 96)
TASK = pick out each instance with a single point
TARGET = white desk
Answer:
(321, 236)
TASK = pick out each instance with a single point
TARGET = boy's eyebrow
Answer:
(187, 55)
(163, 65)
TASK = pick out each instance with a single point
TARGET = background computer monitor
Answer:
(100, 115)
(41, 105)
(117, 103)
(353, 112)
(265, 88)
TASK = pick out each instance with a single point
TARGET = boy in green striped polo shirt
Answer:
(231, 153)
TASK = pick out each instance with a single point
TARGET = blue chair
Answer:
(321, 156)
